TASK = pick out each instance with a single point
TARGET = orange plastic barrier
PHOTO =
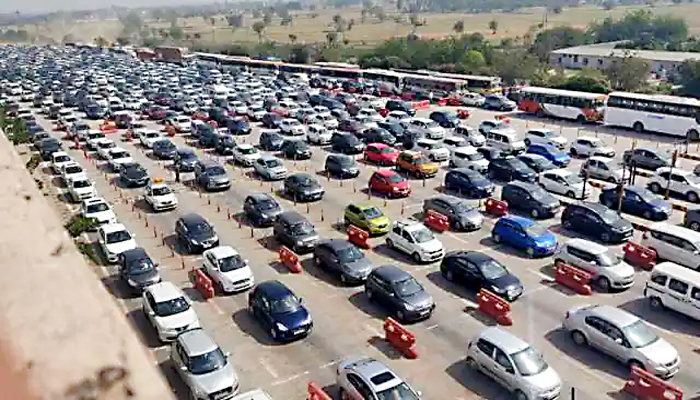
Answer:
(402, 340)
(503, 118)
(646, 386)
(442, 102)
(437, 221)
(494, 307)
(573, 278)
(639, 255)
(290, 259)
(316, 393)
(420, 104)
(496, 207)
(463, 113)
(358, 237)
(204, 284)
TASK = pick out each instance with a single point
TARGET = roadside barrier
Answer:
(420, 104)
(358, 237)
(644, 385)
(639, 255)
(442, 102)
(463, 113)
(203, 284)
(400, 338)
(679, 207)
(496, 207)
(690, 156)
(436, 221)
(573, 278)
(316, 393)
(494, 306)
(504, 118)
(290, 259)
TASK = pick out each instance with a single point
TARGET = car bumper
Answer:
(164, 206)
(621, 236)
(622, 283)
(432, 256)
(543, 251)
(310, 196)
(418, 314)
(218, 186)
(238, 286)
(378, 230)
(292, 334)
(201, 247)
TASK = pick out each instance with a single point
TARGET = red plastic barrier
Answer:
(494, 307)
(573, 278)
(442, 102)
(403, 340)
(383, 112)
(316, 393)
(420, 104)
(407, 96)
(639, 255)
(204, 284)
(358, 237)
(644, 385)
(290, 259)
(129, 136)
(437, 221)
(496, 207)
(503, 118)
(108, 126)
(463, 113)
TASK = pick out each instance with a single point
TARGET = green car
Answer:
(367, 217)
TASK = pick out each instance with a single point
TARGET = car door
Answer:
(469, 273)
(678, 183)
(504, 371)
(520, 237)
(516, 198)
(249, 207)
(149, 307)
(180, 360)
(265, 314)
(357, 388)
(380, 183)
(406, 242)
(687, 253)
(596, 332)
(211, 265)
(677, 297)
(631, 202)
(485, 357)
(354, 215)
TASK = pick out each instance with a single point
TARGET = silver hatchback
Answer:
(608, 270)
(367, 378)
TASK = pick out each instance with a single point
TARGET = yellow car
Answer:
(367, 217)
(416, 164)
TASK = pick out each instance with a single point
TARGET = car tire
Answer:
(579, 339)
(449, 275)
(573, 152)
(458, 226)
(695, 226)
(471, 364)
(527, 142)
(571, 194)
(636, 363)
(416, 257)
(692, 197)
(530, 252)
(655, 187)
(390, 244)
(519, 395)
(496, 238)
(369, 294)
(604, 284)
(638, 127)
(656, 303)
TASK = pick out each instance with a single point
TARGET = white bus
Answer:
(566, 104)
(671, 115)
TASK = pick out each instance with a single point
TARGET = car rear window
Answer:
(383, 377)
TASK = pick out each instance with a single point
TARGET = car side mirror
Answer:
(183, 368)
(392, 294)
(152, 313)
(510, 370)
(227, 354)
(301, 300)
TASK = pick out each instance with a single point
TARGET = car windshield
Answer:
(572, 179)
(463, 206)
(493, 269)
(172, 307)
(609, 260)
(216, 171)
(81, 184)
(474, 156)
(207, 362)
(231, 263)
(529, 362)
(273, 163)
(188, 156)
(423, 235)
(646, 194)
(74, 169)
(287, 304)
(372, 213)
(302, 228)
(120, 154)
(399, 392)
(609, 216)
(407, 287)
(346, 161)
(539, 194)
(247, 150)
(106, 145)
(200, 228)
(536, 230)
(350, 254)
(117, 237)
(597, 143)
(306, 181)
(161, 191)
(152, 135)
(141, 266)
(99, 207)
(639, 335)
(60, 159)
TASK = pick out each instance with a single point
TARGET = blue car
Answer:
(553, 154)
(279, 311)
(524, 234)
(638, 201)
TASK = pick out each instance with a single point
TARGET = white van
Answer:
(674, 287)
(469, 157)
(256, 394)
(505, 139)
(674, 243)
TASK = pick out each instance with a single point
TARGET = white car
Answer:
(292, 127)
(588, 146)
(604, 168)
(80, 187)
(318, 134)
(399, 117)
(116, 157)
(488, 125)
(471, 134)
(325, 119)
(168, 310)
(369, 101)
(453, 143)
(469, 157)
(429, 128)
(98, 208)
(434, 150)
(415, 239)
(115, 239)
(226, 267)
(159, 196)
(239, 107)
(182, 124)
(545, 137)
(256, 113)
(92, 137)
(58, 160)
(370, 114)
(685, 183)
(70, 170)
(565, 182)
(147, 137)
(102, 146)
(472, 99)
(245, 154)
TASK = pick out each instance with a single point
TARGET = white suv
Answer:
(683, 182)
(565, 182)
(427, 127)
(115, 239)
(416, 240)
(608, 270)
(80, 187)
(292, 127)
(58, 160)
(434, 150)
(228, 269)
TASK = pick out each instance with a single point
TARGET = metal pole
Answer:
(670, 174)
(573, 393)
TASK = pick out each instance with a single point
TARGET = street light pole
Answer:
(670, 174)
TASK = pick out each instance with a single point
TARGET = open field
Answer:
(308, 29)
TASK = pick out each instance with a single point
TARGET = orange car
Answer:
(416, 164)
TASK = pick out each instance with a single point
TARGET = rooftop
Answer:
(608, 50)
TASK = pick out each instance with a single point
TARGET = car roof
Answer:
(109, 228)
(391, 273)
(385, 172)
(465, 171)
(268, 157)
(587, 245)
(522, 221)
(192, 218)
(589, 138)
(196, 342)
(222, 252)
(619, 317)
(503, 339)
(260, 196)
(677, 271)
(559, 171)
(137, 253)
(676, 231)
(291, 217)
(369, 368)
(164, 291)
(274, 288)
(449, 199)
(94, 200)
(602, 159)
(336, 244)
(597, 207)
(210, 163)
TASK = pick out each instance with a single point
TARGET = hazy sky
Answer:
(36, 6)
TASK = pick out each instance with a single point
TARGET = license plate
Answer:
(298, 331)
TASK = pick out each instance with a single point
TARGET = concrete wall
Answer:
(59, 327)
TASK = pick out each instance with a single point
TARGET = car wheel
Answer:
(471, 364)
(458, 226)
(527, 142)
(496, 237)
(530, 252)
(399, 316)
(656, 303)
(647, 214)
(519, 395)
(574, 153)
(692, 197)
(655, 187)
(571, 194)
(534, 213)
(273, 333)
(449, 275)
(389, 243)
(579, 339)
(638, 127)
(604, 284)
(695, 226)
(635, 363)
(416, 257)
(369, 294)
(605, 237)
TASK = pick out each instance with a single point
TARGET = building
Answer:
(600, 56)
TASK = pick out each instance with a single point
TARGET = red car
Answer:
(390, 183)
(380, 153)
(201, 115)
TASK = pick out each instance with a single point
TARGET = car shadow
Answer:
(667, 318)
(437, 279)
(250, 327)
(309, 266)
(57, 181)
(332, 390)
(167, 369)
(118, 288)
(362, 303)
(481, 385)
(147, 332)
(172, 242)
(385, 347)
(384, 250)
(503, 248)
(141, 205)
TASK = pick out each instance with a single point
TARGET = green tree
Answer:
(690, 78)
(259, 29)
(588, 80)
(473, 61)
(628, 73)
(493, 26)
(293, 38)
(557, 38)
(458, 27)
(176, 33)
(515, 65)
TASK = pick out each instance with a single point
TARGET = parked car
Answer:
(401, 294)
(445, 119)
(587, 146)
(367, 217)
(261, 209)
(683, 183)
(137, 269)
(398, 105)
(186, 160)
(195, 233)
(564, 182)
(416, 240)
(160, 197)
(498, 102)
(168, 310)
(468, 182)
(462, 216)
(389, 183)
(637, 200)
(531, 199)
(381, 154)
(673, 243)
(271, 141)
(692, 219)
(416, 164)
(608, 270)
(211, 175)
(295, 231)
(596, 220)
(358, 377)
(510, 168)
(114, 239)
(296, 149)
(279, 311)
(133, 175)
(537, 162)
(341, 166)
(475, 137)
(647, 158)
(524, 234)
(99, 209)
(227, 269)
(343, 259)
(346, 143)
(303, 187)
(318, 134)
(546, 137)
(477, 270)
(270, 168)
(552, 153)
(164, 149)
(379, 135)
(603, 168)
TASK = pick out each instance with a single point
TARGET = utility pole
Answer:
(670, 174)
(585, 182)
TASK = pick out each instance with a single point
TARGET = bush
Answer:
(78, 224)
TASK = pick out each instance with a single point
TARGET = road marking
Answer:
(291, 378)
(269, 368)
(328, 364)
(431, 327)
(216, 307)
(373, 330)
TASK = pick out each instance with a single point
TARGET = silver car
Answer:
(367, 378)
(270, 168)
(514, 364)
(607, 270)
(624, 336)
(203, 366)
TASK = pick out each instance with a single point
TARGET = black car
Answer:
(208, 137)
(225, 145)
(296, 150)
(510, 168)
(476, 270)
(186, 160)
(133, 175)
(303, 187)
(399, 105)
(195, 233)
(271, 141)
(271, 120)
(351, 126)
(95, 111)
(261, 209)
(400, 293)
(49, 146)
(596, 220)
(137, 269)
(165, 149)
(445, 119)
(279, 311)
(530, 198)
(378, 135)
(341, 166)
(342, 258)
(468, 182)
(491, 153)
(316, 99)
(295, 231)
(537, 162)
(394, 128)
(340, 114)
(346, 143)
(647, 158)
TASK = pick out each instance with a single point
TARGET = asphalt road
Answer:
(345, 323)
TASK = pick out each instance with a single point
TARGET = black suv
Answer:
(399, 292)
(596, 220)
(295, 231)
(476, 270)
(295, 150)
(186, 160)
(137, 269)
(530, 198)
(303, 187)
(341, 166)
(195, 233)
(346, 143)
(468, 182)
(378, 135)
(224, 145)
(510, 168)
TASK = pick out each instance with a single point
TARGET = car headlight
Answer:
(131, 282)
(497, 289)
(194, 241)
(281, 327)
(409, 307)
(299, 243)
